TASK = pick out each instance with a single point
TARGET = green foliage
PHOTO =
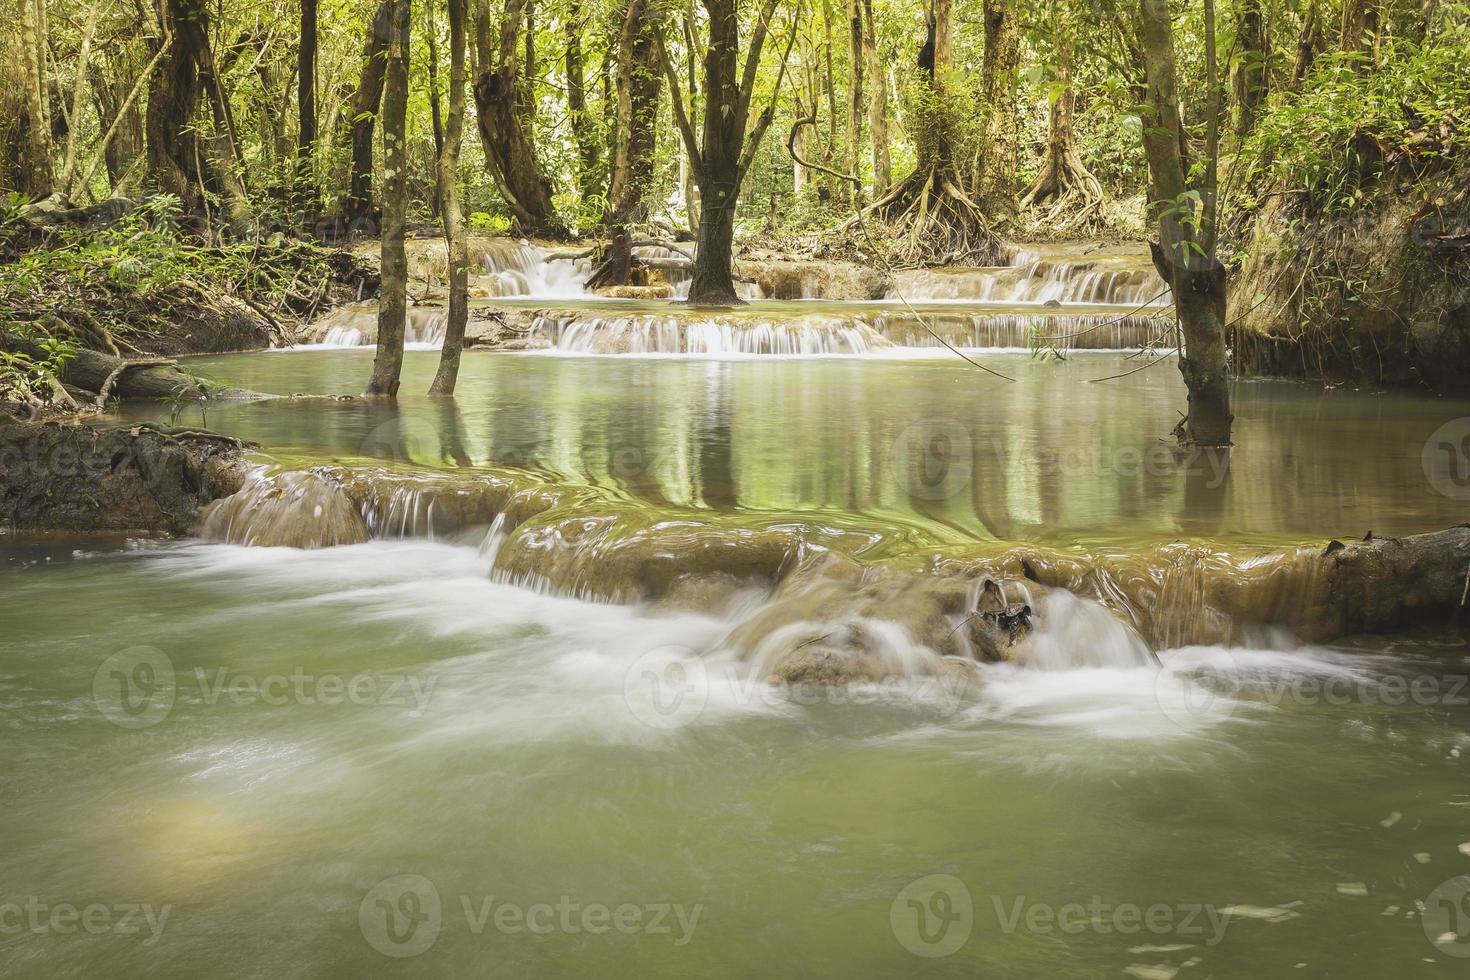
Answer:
(1350, 119)
(98, 286)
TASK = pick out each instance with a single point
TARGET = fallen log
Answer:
(155, 378)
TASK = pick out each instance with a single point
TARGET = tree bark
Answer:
(359, 204)
(723, 156)
(995, 164)
(503, 110)
(1185, 251)
(393, 299)
(1251, 78)
(583, 130)
(173, 96)
(306, 189)
(634, 141)
(1071, 192)
(877, 80)
(35, 170)
(454, 240)
(854, 99)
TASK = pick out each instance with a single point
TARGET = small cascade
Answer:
(506, 267)
(716, 336)
(1114, 278)
(356, 325)
(1060, 330)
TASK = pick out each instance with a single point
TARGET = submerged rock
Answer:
(103, 476)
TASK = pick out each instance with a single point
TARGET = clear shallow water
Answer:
(502, 743)
(1053, 458)
(258, 745)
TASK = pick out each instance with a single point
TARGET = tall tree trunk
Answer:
(35, 172)
(854, 100)
(1309, 42)
(995, 163)
(359, 204)
(877, 78)
(1064, 183)
(723, 156)
(503, 105)
(306, 189)
(583, 130)
(173, 96)
(457, 257)
(1185, 251)
(393, 298)
(1251, 77)
(635, 139)
(1360, 23)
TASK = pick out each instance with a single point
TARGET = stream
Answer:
(397, 757)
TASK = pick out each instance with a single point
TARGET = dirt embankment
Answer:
(1379, 294)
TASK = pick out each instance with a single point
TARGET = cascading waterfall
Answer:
(1040, 277)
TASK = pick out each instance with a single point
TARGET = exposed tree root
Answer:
(927, 219)
(1065, 196)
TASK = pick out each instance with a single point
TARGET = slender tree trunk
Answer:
(393, 298)
(306, 189)
(359, 205)
(854, 99)
(583, 130)
(1309, 42)
(877, 79)
(1064, 181)
(1251, 77)
(36, 176)
(448, 373)
(1360, 23)
(995, 164)
(1185, 251)
(635, 140)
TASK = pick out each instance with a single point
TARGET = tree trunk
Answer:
(1251, 77)
(359, 205)
(1360, 21)
(583, 130)
(306, 190)
(35, 171)
(448, 373)
(995, 163)
(877, 78)
(635, 140)
(854, 99)
(731, 137)
(173, 96)
(393, 299)
(1185, 251)
(503, 110)
(1309, 42)
(1064, 184)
